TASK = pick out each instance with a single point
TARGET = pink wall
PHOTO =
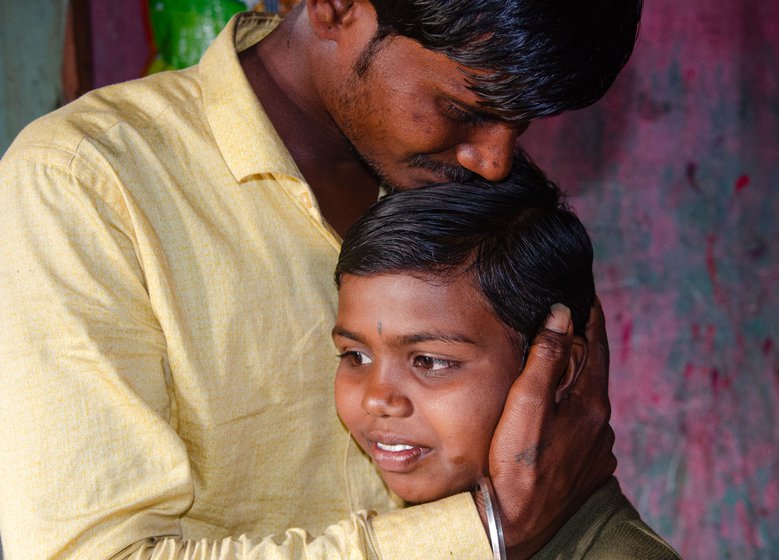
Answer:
(676, 173)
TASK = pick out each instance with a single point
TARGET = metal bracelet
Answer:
(493, 518)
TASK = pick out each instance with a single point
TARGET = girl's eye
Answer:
(433, 364)
(355, 358)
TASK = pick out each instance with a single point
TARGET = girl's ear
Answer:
(328, 17)
(575, 363)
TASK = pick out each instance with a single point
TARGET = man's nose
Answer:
(384, 395)
(488, 150)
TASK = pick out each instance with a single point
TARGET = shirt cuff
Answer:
(448, 528)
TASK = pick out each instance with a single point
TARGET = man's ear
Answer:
(327, 17)
(575, 364)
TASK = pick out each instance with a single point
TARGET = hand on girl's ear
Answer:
(576, 362)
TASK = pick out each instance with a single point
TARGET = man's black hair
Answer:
(517, 238)
(532, 58)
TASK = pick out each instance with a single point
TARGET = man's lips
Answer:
(395, 454)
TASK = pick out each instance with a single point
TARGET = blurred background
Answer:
(676, 174)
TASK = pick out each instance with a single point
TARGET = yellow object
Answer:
(167, 299)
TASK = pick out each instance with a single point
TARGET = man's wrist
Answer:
(479, 503)
(492, 514)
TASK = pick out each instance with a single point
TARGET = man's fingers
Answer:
(548, 355)
(601, 459)
(590, 388)
(550, 453)
(521, 432)
(593, 384)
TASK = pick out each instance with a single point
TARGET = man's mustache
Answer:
(453, 173)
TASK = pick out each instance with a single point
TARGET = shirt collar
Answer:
(245, 136)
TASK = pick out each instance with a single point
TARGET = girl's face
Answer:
(424, 371)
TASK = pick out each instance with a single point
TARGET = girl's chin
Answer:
(422, 486)
(422, 494)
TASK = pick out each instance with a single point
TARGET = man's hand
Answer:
(553, 445)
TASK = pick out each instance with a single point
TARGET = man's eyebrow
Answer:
(480, 112)
(476, 110)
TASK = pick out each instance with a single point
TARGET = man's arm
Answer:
(552, 450)
(93, 462)
(449, 528)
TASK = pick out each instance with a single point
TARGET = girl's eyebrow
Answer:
(340, 331)
(409, 339)
(435, 336)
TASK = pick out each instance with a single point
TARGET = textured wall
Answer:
(31, 41)
(120, 40)
(676, 173)
(31, 37)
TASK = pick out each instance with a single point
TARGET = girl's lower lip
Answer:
(397, 460)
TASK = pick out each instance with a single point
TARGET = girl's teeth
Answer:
(394, 448)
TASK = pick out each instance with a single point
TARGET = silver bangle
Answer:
(493, 518)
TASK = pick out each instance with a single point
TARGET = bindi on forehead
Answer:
(378, 327)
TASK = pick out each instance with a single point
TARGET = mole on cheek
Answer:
(458, 460)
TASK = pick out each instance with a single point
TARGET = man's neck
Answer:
(279, 71)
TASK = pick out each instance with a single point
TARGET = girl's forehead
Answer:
(402, 303)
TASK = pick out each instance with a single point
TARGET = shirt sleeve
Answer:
(348, 539)
(449, 528)
(87, 393)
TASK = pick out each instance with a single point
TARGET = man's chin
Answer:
(395, 187)
(414, 180)
(391, 184)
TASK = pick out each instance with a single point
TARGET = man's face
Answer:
(423, 375)
(413, 120)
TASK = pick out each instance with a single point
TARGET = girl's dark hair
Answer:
(525, 249)
(533, 57)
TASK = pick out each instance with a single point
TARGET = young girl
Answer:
(440, 292)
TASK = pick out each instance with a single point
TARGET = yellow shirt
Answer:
(165, 358)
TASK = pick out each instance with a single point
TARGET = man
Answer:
(167, 257)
